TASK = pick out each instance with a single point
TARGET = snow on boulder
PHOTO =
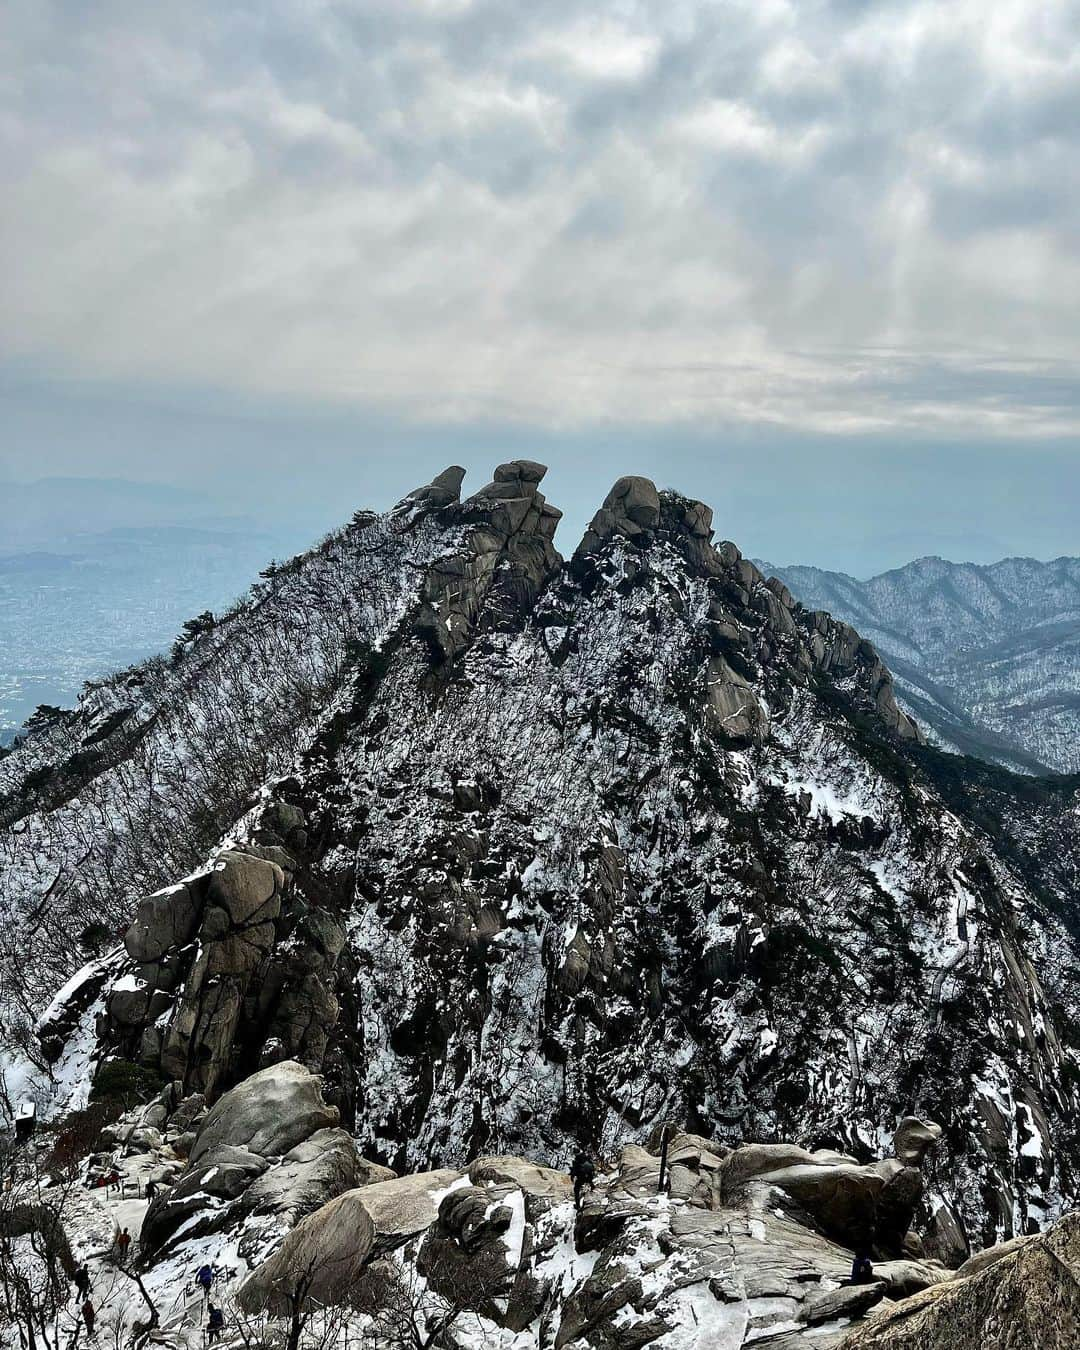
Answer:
(308, 1175)
(543, 1186)
(269, 1113)
(329, 1248)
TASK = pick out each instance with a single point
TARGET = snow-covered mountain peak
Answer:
(522, 853)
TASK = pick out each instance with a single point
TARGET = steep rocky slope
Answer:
(987, 657)
(522, 854)
(701, 1246)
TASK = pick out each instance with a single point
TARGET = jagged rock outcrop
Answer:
(504, 559)
(1027, 1296)
(560, 852)
(197, 945)
(443, 490)
(739, 1260)
(269, 1146)
(868, 1207)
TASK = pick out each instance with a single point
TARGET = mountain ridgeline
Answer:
(987, 658)
(523, 853)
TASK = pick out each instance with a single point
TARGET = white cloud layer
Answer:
(838, 216)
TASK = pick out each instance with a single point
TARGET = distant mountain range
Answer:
(987, 658)
(49, 512)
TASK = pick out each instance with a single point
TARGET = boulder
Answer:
(272, 1113)
(1027, 1298)
(630, 508)
(336, 1240)
(245, 887)
(477, 1244)
(198, 1202)
(157, 1112)
(694, 1168)
(443, 490)
(314, 1172)
(914, 1138)
(850, 1301)
(635, 499)
(543, 1186)
(696, 1152)
(842, 1198)
(638, 1172)
(520, 470)
(371, 1172)
(405, 1206)
(189, 1114)
(269, 1113)
(904, 1278)
(165, 919)
(326, 1251)
(757, 1160)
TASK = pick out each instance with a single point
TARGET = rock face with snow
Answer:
(520, 855)
(197, 946)
(739, 1258)
(269, 1146)
(1029, 1296)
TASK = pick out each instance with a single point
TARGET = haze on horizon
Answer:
(818, 265)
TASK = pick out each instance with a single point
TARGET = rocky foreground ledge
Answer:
(751, 1245)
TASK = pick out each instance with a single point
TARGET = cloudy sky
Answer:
(816, 261)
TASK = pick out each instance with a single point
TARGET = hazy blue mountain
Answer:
(986, 657)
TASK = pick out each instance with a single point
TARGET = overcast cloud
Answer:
(839, 218)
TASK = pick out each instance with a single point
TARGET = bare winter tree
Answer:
(408, 1310)
(35, 1259)
(392, 1306)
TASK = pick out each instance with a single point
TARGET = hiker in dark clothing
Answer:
(204, 1278)
(862, 1269)
(88, 1317)
(82, 1282)
(151, 1189)
(215, 1325)
(582, 1173)
(123, 1246)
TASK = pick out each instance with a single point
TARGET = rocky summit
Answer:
(440, 858)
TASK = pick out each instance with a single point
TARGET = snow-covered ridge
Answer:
(987, 656)
(563, 851)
